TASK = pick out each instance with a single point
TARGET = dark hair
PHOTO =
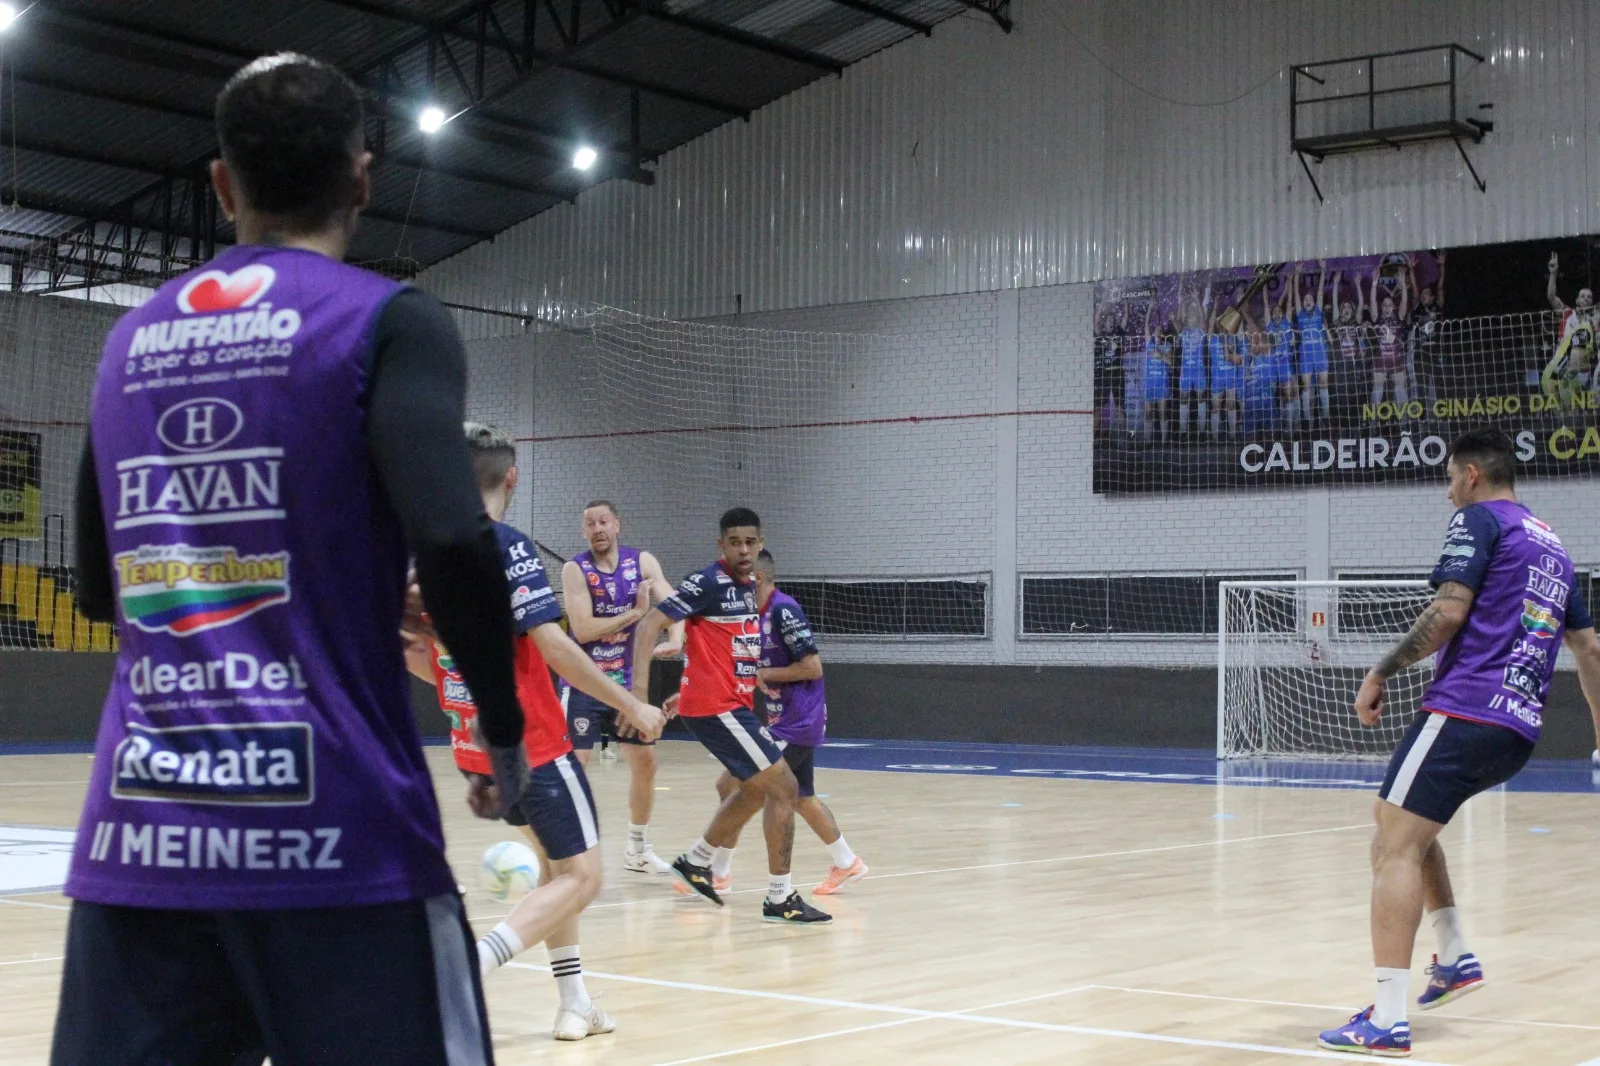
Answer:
(289, 127)
(765, 562)
(1491, 451)
(493, 454)
(739, 516)
(607, 504)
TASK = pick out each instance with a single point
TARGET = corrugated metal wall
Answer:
(1102, 138)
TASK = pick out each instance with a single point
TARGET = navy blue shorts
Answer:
(588, 719)
(802, 760)
(1442, 762)
(392, 983)
(738, 740)
(559, 808)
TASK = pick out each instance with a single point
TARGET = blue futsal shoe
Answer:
(1446, 983)
(1360, 1037)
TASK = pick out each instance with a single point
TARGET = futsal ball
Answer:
(509, 870)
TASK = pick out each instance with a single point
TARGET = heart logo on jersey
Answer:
(214, 290)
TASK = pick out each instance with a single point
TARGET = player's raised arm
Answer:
(1469, 545)
(659, 589)
(580, 609)
(1550, 286)
(573, 665)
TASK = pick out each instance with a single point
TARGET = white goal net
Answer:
(1290, 656)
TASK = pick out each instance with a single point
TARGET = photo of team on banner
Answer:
(1355, 365)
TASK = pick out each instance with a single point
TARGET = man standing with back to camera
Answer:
(260, 867)
(1506, 601)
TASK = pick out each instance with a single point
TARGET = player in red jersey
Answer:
(556, 810)
(716, 699)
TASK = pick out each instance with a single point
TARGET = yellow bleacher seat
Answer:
(27, 591)
(100, 636)
(8, 584)
(80, 632)
(63, 622)
(45, 619)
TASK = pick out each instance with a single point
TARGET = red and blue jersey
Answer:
(722, 641)
(544, 729)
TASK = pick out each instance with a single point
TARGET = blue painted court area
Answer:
(1160, 766)
(1154, 765)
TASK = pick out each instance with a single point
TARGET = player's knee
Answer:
(780, 783)
(587, 872)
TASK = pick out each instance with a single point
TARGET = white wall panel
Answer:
(975, 160)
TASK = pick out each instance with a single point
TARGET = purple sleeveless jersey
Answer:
(1497, 668)
(799, 714)
(257, 748)
(612, 594)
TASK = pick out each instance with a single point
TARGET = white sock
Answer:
(1183, 418)
(722, 862)
(702, 853)
(1205, 417)
(779, 886)
(1446, 922)
(569, 979)
(1327, 405)
(499, 946)
(1394, 990)
(843, 857)
(1401, 397)
(1233, 423)
(636, 837)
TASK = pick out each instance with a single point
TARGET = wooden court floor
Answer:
(1005, 921)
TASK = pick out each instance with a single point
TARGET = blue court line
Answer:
(1180, 766)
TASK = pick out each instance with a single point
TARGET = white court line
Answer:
(676, 898)
(866, 1028)
(1345, 1007)
(30, 903)
(24, 962)
(982, 1019)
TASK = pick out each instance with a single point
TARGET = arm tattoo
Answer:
(1430, 630)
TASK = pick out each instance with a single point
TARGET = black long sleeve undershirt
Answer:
(416, 400)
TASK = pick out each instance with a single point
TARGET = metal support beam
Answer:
(999, 10)
(866, 7)
(754, 41)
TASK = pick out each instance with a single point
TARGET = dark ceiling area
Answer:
(105, 109)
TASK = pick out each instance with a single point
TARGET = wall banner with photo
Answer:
(1357, 369)
(19, 484)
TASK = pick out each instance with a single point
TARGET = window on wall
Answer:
(1086, 605)
(954, 606)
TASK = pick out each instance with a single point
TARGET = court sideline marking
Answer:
(994, 865)
(30, 903)
(982, 1019)
(865, 1028)
(1339, 1007)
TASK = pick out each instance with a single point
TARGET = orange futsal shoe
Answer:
(838, 877)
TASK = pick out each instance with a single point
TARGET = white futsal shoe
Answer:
(645, 862)
(575, 1025)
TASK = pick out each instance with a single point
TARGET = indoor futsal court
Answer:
(1099, 916)
(798, 532)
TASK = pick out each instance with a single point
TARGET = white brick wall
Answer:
(920, 498)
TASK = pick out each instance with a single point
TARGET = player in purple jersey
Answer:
(607, 589)
(1506, 601)
(790, 677)
(260, 865)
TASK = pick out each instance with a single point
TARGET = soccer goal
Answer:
(1290, 656)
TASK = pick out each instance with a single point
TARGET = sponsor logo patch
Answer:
(181, 590)
(216, 290)
(232, 765)
(1538, 620)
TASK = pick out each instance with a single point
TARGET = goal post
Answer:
(1291, 655)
